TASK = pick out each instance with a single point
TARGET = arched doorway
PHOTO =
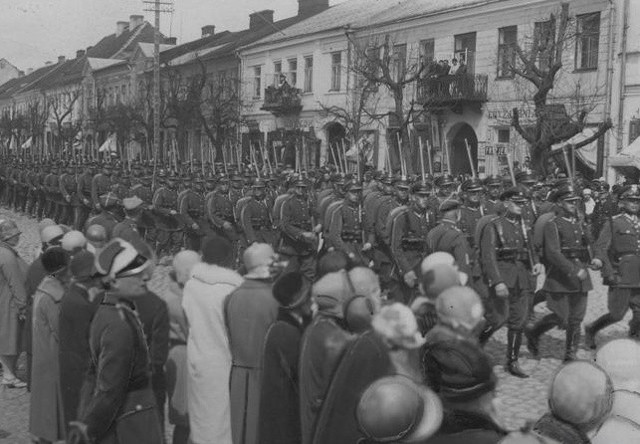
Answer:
(335, 135)
(458, 148)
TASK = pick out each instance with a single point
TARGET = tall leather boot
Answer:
(572, 342)
(514, 341)
(592, 329)
(486, 334)
(538, 329)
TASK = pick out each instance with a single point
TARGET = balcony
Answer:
(282, 99)
(452, 91)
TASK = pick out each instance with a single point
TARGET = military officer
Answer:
(565, 255)
(83, 192)
(472, 208)
(255, 217)
(448, 237)
(507, 265)
(299, 238)
(191, 207)
(68, 187)
(345, 228)
(130, 228)
(492, 203)
(101, 184)
(169, 235)
(409, 229)
(617, 251)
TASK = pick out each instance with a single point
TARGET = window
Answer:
(634, 129)
(507, 41)
(257, 82)
(399, 62)
(308, 74)
(465, 49)
(336, 70)
(427, 51)
(277, 70)
(587, 39)
(504, 135)
(543, 42)
(293, 72)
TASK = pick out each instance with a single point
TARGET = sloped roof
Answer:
(248, 36)
(364, 13)
(111, 45)
(67, 72)
(185, 48)
(17, 85)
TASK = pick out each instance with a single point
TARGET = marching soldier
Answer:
(255, 217)
(448, 237)
(565, 253)
(54, 195)
(492, 203)
(345, 231)
(407, 243)
(165, 199)
(101, 184)
(191, 207)
(472, 209)
(507, 265)
(617, 251)
(83, 192)
(107, 217)
(130, 228)
(299, 239)
(68, 187)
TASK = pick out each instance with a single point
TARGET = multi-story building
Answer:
(447, 112)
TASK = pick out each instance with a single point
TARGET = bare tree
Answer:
(61, 106)
(540, 64)
(380, 62)
(36, 119)
(12, 126)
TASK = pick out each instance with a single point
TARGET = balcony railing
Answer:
(451, 91)
(282, 99)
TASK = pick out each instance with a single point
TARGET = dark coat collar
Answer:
(455, 421)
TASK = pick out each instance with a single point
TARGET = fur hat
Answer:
(120, 259)
(216, 250)
(55, 259)
(397, 324)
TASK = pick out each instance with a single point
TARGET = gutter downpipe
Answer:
(609, 84)
(623, 76)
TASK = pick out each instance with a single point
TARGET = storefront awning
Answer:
(588, 154)
(630, 156)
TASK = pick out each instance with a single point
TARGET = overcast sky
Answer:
(35, 31)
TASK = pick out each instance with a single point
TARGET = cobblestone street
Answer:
(520, 400)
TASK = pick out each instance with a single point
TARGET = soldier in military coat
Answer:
(617, 251)
(299, 239)
(345, 231)
(101, 184)
(68, 187)
(255, 217)
(191, 207)
(507, 264)
(407, 243)
(83, 192)
(448, 237)
(565, 254)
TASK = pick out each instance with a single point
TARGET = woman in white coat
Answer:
(208, 352)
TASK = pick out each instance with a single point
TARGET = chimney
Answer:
(135, 21)
(208, 30)
(79, 53)
(311, 7)
(170, 40)
(261, 18)
(121, 27)
(20, 73)
(62, 59)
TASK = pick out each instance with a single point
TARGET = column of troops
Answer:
(504, 233)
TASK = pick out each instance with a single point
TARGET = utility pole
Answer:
(156, 6)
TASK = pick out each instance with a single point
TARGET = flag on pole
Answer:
(110, 145)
